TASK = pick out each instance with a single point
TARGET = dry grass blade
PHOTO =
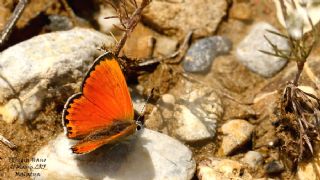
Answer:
(128, 21)
(12, 21)
(169, 59)
(278, 34)
(111, 17)
(7, 142)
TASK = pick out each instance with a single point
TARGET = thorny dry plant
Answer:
(129, 13)
(128, 20)
(299, 114)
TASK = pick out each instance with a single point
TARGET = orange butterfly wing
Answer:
(110, 135)
(104, 99)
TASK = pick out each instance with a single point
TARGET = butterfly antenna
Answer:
(144, 106)
(114, 38)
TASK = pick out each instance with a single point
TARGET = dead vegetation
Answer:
(298, 112)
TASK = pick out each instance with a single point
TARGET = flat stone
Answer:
(248, 52)
(201, 54)
(218, 169)
(236, 134)
(241, 11)
(190, 127)
(274, 167)
(149, 155)
(253, 159)
(140, 43)
(168, 99)
(178, 18)
(59, 23)
(189, 112)
(44, 67)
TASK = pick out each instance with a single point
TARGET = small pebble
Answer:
(218, 169)
(176, 18)
(274, 167)
(188, 112)
(168, 99)
(202, 53)
(241, 11)
(236, 134)
(253, 158)
(59, 23)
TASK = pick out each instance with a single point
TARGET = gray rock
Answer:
(189, 113)
(179, 17)
(236, 134)
(274, 167)
(149, 155)
(59, 23)
(252, 158)
(248, 50)
(202, 53)
(218, 169)
(43, 67)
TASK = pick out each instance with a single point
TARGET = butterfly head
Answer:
(139, 125)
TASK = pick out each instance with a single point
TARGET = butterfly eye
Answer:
(139, 125)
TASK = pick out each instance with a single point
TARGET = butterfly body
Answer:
(102, 113)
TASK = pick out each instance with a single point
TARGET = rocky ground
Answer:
(212, 116)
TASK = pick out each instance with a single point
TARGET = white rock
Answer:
(193, 115)
(236, 133)
(252, 158)
(150, 155)
(248, 50)
(168, 99)
(39, 68)
(221, 169)
(190, 127)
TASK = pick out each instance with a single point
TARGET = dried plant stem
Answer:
(300, 66)
(12, 21)
(177, 55)
(132, 23)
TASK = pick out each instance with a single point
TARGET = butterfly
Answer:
(102, 113)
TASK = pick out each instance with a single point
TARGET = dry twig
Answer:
(177, 55)
(12, 21)
(128, 21)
